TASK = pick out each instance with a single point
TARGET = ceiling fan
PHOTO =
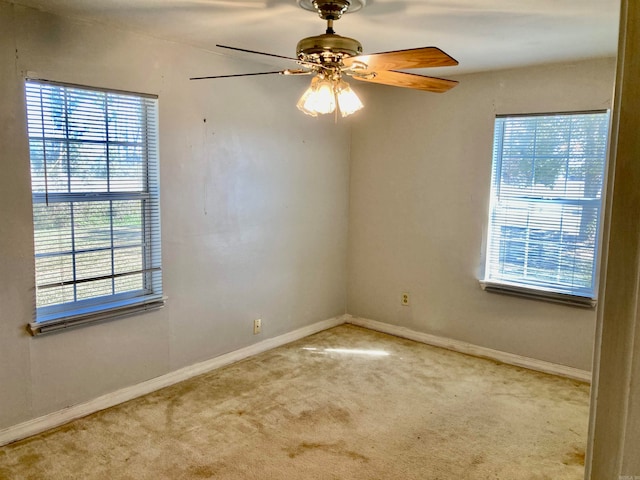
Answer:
(330, 57)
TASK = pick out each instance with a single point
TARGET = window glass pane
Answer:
(88, 167)
(93, 264)
(126, 168)
(52, 232)
(46, 111)
(36, 147)
(86, 115)
(548, 173)
(52, 270)
(126, 119)
(128, 260)
(127, 223)
(56, 295)
(52, 175)
(94, 289)
(516, 174)
(92, 225)
(129, 283)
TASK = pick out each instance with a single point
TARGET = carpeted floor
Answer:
(347, 403)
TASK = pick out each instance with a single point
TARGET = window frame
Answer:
(50, 318)
(540, 290)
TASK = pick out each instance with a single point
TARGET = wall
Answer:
(420, 179)
(254, 212)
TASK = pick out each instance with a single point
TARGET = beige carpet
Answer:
(347, 403)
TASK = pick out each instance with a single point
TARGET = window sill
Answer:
(536, 294)
(118, 310)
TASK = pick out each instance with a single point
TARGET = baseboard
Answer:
(55, 419)
(475, 350)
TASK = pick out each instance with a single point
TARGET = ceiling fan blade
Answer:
(281, 72)
(239, 75)
(410, 80)
(400, 59)
(257, 53)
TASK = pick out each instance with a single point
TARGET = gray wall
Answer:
(420, 180)
(254, 212)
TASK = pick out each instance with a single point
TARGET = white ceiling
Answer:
(480, 34)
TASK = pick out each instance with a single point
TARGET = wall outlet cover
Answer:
(257, 326)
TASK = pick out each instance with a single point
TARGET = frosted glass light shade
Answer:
(324, 99)
(348, 101)
(304, 105)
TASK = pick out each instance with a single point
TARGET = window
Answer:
(546, 198)
(96, 214)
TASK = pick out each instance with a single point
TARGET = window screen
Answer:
(94, 177)
(546, 198)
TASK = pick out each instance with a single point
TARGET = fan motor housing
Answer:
(328, 48)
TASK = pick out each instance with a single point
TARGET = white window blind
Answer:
(546, 198)
(96, 213)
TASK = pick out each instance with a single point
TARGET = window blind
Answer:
(546, 198)
(95, 191)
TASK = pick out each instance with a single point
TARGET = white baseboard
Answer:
(55, 419)
(475, 350)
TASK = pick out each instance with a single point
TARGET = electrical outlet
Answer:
(404, 300)
(257, 326)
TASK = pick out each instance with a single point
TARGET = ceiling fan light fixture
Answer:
(325, 94)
